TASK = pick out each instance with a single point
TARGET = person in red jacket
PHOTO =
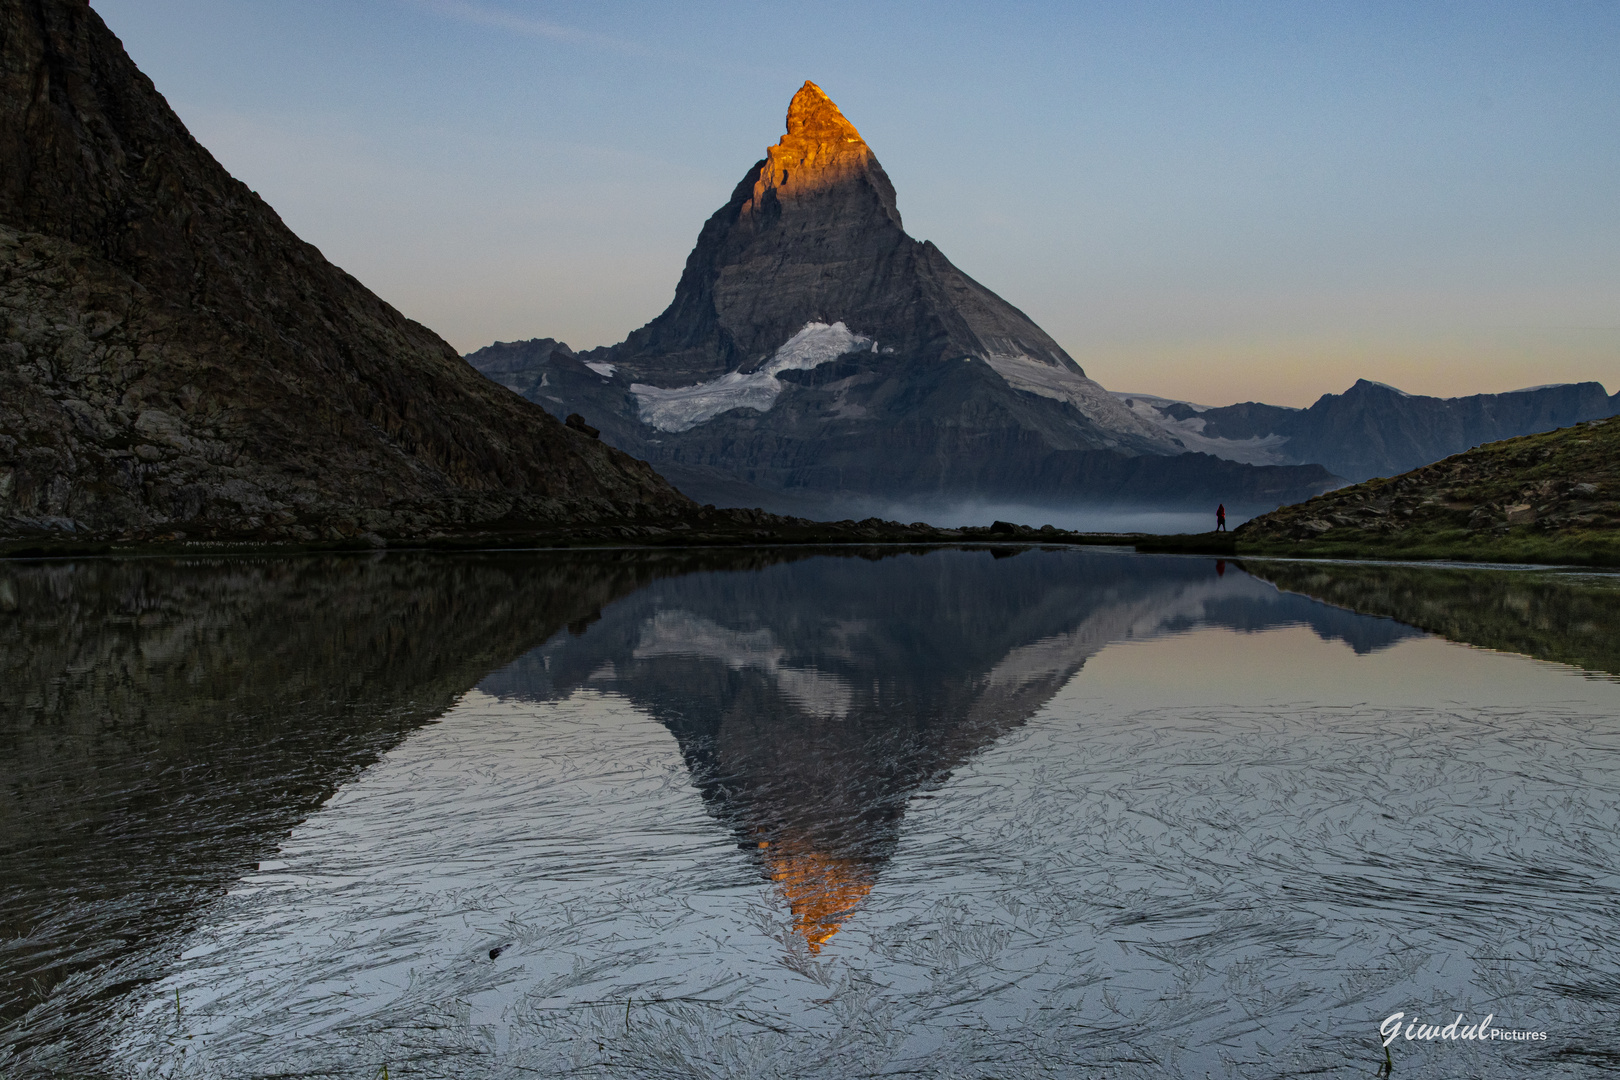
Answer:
(1220, 518)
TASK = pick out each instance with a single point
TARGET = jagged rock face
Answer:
(175, 359)
(814, 347)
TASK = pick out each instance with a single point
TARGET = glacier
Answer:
(684, 407)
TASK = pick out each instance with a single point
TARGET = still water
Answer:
(971, 813)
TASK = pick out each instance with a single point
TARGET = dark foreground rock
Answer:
(176, 364)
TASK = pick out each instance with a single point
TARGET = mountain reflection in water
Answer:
(813, 700)
(981, 813)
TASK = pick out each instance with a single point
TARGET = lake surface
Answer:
(972, 813)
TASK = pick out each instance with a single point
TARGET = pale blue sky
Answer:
(1214, 201)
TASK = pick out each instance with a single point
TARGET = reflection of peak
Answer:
(821, 890)
(812, 700)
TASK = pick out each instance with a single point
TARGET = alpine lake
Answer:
(1005, 811)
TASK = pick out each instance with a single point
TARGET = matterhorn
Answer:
(817, 353)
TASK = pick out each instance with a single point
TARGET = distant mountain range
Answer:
(1371, 429)
(815, 350)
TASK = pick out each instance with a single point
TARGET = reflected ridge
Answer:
(1566, 617)
(164, 723)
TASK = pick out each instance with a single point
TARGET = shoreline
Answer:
(754, 528)
(1516, 548)
(626, 537)
(1528, 551)
(605, 540)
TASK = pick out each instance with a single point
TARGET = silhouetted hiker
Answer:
(1220, 518)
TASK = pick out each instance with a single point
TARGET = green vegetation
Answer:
(1524, 545)
(1548, 498)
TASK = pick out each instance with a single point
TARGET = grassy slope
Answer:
(1548, 498)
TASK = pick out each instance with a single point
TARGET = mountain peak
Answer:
(813, 117)
(820, 149)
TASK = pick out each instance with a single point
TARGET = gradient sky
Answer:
(1212, 201)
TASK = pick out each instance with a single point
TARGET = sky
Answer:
(1216, 202)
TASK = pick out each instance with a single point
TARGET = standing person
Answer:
(1220, 518)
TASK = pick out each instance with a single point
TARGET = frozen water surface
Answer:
(954, 813)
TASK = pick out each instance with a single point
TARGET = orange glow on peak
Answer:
(820, 148)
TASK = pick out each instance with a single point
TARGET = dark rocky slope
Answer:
(814, 347)
(176, 361)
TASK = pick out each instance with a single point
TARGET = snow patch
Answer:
(686, 634)
(1067, 384)
(604, 370)
(1131, 401)
(685, 407)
